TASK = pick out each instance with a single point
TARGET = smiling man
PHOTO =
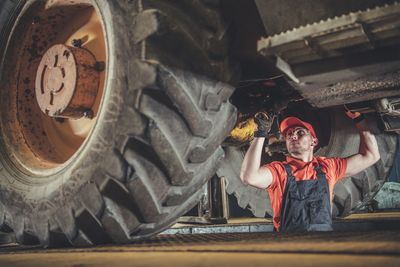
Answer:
(300, 188)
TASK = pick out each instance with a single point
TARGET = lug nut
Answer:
(88, 114)
(77, 43)
(100, 66)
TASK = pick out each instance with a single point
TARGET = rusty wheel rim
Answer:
(41, 138)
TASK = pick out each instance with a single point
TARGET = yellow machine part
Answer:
(244, 131)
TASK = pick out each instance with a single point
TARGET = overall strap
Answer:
(320, 172)
(289, 172)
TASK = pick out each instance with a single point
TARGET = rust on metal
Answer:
(40, 143)
(67, 82)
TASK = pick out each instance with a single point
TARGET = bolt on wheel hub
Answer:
(67, 82)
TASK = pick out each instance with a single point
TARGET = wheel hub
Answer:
(67, 82)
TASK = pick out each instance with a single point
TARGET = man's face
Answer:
(299, 140)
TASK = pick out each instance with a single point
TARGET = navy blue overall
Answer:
(306, 204)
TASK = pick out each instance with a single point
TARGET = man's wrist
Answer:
(260, 134)
(359, 119)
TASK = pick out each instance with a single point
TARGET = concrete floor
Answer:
(342, 248)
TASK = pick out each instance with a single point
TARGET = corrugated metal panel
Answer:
(363, 30)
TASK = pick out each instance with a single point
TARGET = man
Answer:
(300, 188)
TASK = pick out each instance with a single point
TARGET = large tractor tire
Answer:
(350, 194)
(135, 162)
(355, 193)
(248, 197)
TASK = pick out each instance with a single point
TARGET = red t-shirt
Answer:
(334, 168)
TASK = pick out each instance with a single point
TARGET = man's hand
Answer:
(368, 153)
(264, 123)
(355, 116)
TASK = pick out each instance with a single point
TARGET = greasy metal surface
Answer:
(352, 85)
(189, 258)
(66, 82)
(376, 242)
(313, 249)
(350, 248)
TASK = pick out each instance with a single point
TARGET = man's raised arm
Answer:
(368, 153)
(250, 172)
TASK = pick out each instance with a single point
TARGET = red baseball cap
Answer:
(290, 122)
